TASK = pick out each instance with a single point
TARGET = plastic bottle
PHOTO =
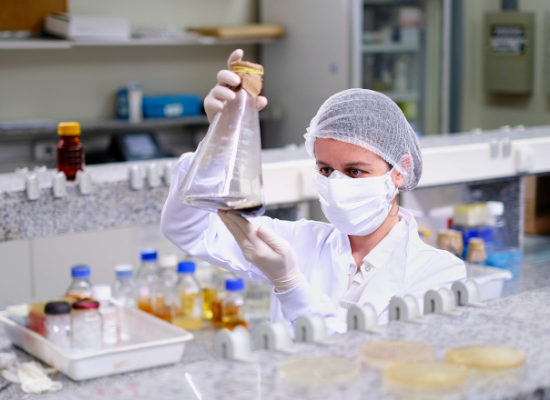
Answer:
(191, 297)
(109, 313)
(124, 288)
(232, 306)
(86, 327)
(495, 214)
(165, 295)
(70, 152)
(80, 288)
(58, 324)
(146, 278)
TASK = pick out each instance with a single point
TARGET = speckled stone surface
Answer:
(521, 320)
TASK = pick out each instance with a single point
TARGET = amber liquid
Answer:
(232, 317)
(78, 296)
(209, 296)
(161, 310)
(251, 211)
(70, 156)
(144, 304)
(217, 313)
(191, 315)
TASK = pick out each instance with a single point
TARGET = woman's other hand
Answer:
(214, 102)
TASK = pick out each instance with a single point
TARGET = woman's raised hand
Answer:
(214, 102)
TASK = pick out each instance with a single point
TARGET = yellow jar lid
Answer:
(68, 129)
(383, 353)
(488, 358)
(430, 375)
(319, 370)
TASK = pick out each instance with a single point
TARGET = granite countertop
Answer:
(519, 320)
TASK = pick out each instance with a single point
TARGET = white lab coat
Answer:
(323, 255)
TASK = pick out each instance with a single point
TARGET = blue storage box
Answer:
(171, 106)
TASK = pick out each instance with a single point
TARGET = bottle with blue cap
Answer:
(166, 302)
(146, 279)
(232, 305)
(124, 288)
(80, 288)
(191, 297)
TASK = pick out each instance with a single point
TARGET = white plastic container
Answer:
(146, 342)
(490, 280)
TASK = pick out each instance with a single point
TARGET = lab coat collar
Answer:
(389, 279)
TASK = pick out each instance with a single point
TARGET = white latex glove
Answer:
(32, 377)
(214, 102)
(266, 250)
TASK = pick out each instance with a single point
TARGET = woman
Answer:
(365, 152)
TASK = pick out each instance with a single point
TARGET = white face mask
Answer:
(356, 206)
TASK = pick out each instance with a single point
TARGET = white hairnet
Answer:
(373, 121)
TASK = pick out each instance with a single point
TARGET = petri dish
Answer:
(429, 380)
(381, 354)
(319, 370)
(486, 358)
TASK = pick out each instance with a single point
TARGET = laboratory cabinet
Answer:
(336, 45)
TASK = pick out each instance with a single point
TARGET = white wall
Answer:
(80, 83)
(41, 268)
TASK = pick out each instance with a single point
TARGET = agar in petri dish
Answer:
(319, 370)
(426, 375)
(382, 354)
(425, 381)
(486, 358)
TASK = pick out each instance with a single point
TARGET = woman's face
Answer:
(351, 160)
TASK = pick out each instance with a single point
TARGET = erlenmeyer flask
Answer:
(226, 173)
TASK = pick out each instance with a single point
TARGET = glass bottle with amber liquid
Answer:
(70, 152)
(80, 288)
(146, 279)
(166, 303)
(191, 298)
(232, 304)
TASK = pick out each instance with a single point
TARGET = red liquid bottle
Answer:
(70, 152)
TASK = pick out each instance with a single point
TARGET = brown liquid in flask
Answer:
(70, 152)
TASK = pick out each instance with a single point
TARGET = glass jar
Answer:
(58, 324)
(87, 327)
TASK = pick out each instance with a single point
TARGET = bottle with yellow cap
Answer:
(70, 152)
(226, 172)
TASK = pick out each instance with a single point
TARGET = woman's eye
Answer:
(355, 172)
(326, 171)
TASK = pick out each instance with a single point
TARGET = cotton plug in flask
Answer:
(226, 172)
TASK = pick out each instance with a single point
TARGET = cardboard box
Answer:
(537, 204)
(27, 15)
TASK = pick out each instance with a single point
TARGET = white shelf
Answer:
(403, 96)
(390, 48)
(34, 44)
(24, 44)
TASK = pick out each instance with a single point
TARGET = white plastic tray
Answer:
(146, 342)
(489, 279)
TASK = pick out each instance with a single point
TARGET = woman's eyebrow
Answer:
(319, 162)
(358, 164)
